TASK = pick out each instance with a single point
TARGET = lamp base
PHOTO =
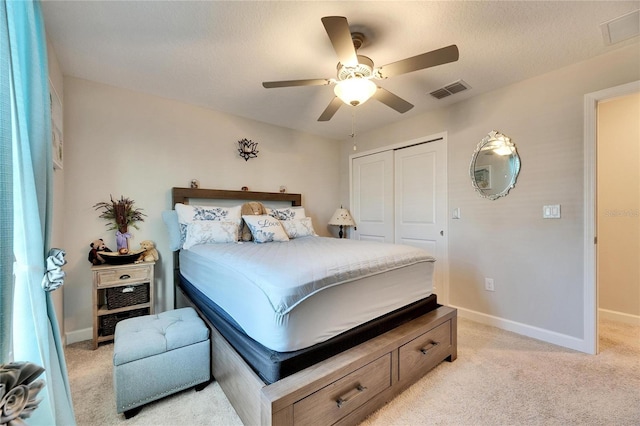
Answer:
(340, 233)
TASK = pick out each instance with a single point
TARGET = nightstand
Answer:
(120, 292)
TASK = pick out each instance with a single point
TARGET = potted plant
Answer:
(121, 214)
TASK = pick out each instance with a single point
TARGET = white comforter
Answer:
(289, 272)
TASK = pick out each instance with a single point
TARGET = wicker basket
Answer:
(108, 322)
(118, 297)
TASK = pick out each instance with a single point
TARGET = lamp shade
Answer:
(342, 217)
(355, 91)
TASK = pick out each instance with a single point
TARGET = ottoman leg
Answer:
(130, 413)
(202, 385)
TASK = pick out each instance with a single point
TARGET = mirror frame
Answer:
(492, 137)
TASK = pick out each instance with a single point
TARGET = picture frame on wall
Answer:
(57, 138)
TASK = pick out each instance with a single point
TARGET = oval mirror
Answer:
(495, 165)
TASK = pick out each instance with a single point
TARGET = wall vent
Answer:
(450, 89)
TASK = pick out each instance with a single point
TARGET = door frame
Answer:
(591, 101)
(425, 139)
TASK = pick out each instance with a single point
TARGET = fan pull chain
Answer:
(353, 127)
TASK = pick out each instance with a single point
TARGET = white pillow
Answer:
(210, 232)
(297, 228)
(265, 228)
(287, 213)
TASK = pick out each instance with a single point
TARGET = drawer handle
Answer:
(125, 277)
(350, 395)
(128, 289)
(429, 347)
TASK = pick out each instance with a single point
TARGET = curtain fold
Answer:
(6, 195)
(36, 337)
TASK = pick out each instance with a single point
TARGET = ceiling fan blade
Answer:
(426, 60)
(292, 83)
(338, 30)
(331, 109)
(391, 100)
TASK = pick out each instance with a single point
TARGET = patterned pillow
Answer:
(265, 228)
(297, 228)
(210, 232)
(188, 213)
(288, 213)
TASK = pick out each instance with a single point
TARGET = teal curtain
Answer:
(6, 196)
(36, 337)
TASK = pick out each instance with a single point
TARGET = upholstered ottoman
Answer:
(157, 355)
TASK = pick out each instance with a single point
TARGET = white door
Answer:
(372, 197)
(420, 216)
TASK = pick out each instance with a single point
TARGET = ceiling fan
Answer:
(353, 82)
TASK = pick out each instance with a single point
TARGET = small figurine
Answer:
(94, 256)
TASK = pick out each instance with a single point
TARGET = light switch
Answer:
(551, 211)
(456, 213)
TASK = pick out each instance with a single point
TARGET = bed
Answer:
(316, 347)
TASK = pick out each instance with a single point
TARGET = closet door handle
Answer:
(442, 233)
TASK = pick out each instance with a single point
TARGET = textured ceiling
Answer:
(216, 54)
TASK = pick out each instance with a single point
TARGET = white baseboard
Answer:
(524, 329)
(79, 335)
(619, 316)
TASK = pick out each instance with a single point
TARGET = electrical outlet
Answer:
(488, 284)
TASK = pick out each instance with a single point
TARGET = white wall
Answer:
(126, 143)
(57, 240)
(537, 264)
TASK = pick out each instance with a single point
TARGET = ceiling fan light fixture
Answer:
(355, 91)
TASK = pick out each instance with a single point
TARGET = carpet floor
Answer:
(500, 378)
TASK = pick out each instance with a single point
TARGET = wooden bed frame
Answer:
(343, 389)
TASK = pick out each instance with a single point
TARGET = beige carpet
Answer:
(499, 378)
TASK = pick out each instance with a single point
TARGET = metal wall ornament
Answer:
(248, 149)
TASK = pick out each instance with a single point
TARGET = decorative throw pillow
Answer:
(210, 232)
(287, 213)
(188, 213)
(265, 228)
(297, 228)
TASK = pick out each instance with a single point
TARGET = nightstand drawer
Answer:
(335, 401)
(124, 275)
(425, 351)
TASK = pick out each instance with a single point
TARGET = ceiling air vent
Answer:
(450, 89)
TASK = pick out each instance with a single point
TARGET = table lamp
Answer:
(341, 218)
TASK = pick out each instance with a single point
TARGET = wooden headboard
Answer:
(183, 195)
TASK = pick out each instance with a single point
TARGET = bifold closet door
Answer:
(372, 192)
(420, 192)
(419, 196)
(400, 196)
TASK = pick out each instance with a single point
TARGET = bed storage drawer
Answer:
(425, 352)
(333, 402)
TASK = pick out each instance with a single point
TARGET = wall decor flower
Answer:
(248, 149)
(120, 214)
(18, 391)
